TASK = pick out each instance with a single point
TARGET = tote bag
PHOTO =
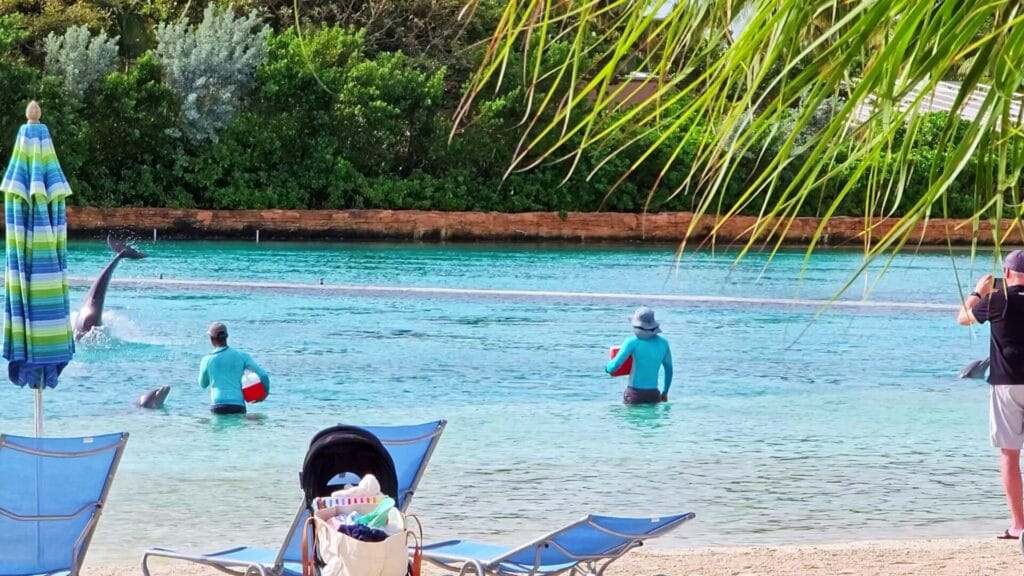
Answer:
(343, 555)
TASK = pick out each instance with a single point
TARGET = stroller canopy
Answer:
(342, 450)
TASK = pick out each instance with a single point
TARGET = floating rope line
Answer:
(488, 293)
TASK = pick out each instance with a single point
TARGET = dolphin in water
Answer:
(90, 314)
(975, 369)
(153, 399)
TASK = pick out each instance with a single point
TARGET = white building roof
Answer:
(941, 99)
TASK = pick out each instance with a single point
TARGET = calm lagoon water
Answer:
(783, 427)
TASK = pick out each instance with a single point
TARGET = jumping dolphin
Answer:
(154, 398)
(91, 312)
(975, 369)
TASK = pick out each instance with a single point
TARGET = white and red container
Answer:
(626, 367)
(253, 389)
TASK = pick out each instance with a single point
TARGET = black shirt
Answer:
(1005, 311)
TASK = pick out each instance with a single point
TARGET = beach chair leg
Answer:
(255, 569)
(478, 568)
(536, 558)
(145, 564)
(599, 570)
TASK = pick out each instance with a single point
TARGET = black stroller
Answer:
(342, 451)
(342, 455)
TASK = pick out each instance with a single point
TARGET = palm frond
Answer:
(874, 65)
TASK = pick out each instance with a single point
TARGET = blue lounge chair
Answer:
(52, 491)
(586, 546)
(410, 448)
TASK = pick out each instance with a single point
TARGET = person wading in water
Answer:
(221, 371)
(650, 353)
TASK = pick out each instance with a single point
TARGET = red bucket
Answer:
(626, 367)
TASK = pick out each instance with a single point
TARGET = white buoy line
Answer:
(372, 290)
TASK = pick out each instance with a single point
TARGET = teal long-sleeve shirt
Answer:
(649, 356)
(221, 372)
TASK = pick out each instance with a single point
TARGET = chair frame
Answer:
(228, 566)
(85, 538)
(584, 565)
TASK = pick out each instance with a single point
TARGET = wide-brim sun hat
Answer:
(643, 319)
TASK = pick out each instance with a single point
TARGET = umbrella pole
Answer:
(39, 412)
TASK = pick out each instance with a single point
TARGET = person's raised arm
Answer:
(967, 313)
(624, 352)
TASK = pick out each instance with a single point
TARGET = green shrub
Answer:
(330, 123)
(210, 66)
(80, 59)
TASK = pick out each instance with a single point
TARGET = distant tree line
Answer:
(190, 104)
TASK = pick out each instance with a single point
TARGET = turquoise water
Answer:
(781, 428)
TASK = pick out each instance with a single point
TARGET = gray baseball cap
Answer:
(1014, 261)
(218, 330)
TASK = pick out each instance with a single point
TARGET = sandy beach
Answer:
(934, 557)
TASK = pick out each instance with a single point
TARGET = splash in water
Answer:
(117, 328)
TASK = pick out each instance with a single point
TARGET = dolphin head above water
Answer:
(975, 369)
(154, 398)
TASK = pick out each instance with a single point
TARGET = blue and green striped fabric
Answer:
(38, 340)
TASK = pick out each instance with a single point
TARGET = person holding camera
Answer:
(1003, 308)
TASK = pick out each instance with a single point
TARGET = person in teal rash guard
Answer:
(650, 353)
(221, 372)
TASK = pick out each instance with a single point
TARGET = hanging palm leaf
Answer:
(763, 75)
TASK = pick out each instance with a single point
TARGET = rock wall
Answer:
(469, 226)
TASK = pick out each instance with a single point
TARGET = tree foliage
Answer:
(329, 119)
(760, 92)
(417, 28)
(40, 18)
(211, 66)
(80, 59)
(12, 32)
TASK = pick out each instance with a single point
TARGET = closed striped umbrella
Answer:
(38, 340)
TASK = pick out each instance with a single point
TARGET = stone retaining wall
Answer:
(470, 226)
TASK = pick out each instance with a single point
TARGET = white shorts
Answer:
(1006, 416)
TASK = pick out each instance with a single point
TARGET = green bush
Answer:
(133, 141)
(315, 127)
(17, 87)
(331, 123)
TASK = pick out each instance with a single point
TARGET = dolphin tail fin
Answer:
(123, 249)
